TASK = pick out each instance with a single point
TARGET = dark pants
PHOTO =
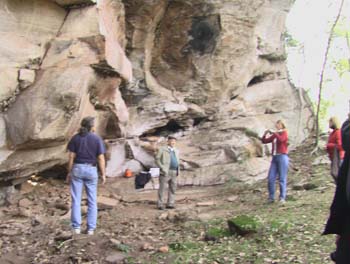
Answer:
(342, 253)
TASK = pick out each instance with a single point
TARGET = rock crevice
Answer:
(211, 73)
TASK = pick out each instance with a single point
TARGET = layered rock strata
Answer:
(212, 73)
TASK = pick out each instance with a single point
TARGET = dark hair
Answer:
(171, 137)
(86, 125)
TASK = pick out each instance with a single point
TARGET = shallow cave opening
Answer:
(170, 128)
(112, 129)
(198, 120)
(57, 172)
(204, 33)
(266, 76)
(257, 79)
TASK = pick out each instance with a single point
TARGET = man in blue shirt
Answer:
(86, 150)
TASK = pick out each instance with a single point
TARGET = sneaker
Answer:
(282, 201)
(161, 207)
(90, 232)
(170, 206)
(76, 231)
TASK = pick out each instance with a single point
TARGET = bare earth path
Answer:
(34, 227)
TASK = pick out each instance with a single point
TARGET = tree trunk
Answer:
(322, 72)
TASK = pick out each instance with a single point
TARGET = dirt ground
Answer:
(34, 226)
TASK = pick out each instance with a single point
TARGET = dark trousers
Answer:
(342, 254)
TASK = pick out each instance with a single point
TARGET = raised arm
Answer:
(267, 139)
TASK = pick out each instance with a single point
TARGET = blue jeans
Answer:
(279, 166)
(84, 175)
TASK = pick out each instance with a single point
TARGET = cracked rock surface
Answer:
(211, 73)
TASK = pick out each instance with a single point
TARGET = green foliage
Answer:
(342, 66)
(290, 41)
(342, 28)
(324, 106)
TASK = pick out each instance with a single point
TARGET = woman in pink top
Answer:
(280, 160)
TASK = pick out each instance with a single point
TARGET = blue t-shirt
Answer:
(173, 160)
(87, 147)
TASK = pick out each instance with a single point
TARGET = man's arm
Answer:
(102, 166)
(71, 157)
(158, 160)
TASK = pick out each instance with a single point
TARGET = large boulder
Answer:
(211, 73)
(60, 67)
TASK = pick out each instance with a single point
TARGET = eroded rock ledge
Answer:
(211, 73)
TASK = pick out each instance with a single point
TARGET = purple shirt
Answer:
(87, 147)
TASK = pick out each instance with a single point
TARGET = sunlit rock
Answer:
(211, 73)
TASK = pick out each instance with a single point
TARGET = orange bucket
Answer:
(128, 173)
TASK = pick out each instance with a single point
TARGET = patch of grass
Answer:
(123, 248)
(183, 246)
(216, 221)
(218, 232)
(278, 226)
(65, 222)
(289, 233)
(291, 198)
(131, 260)
(235, 185)
(245, 222)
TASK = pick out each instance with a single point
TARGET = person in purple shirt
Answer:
(86, 150)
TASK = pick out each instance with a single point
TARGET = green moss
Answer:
(217, 232)
(248, 132)
(243, 225)
(245, 221)
(251, 133)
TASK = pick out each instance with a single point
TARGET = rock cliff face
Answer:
(210, 72)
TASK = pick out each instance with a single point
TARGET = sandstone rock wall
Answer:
(210, 72)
